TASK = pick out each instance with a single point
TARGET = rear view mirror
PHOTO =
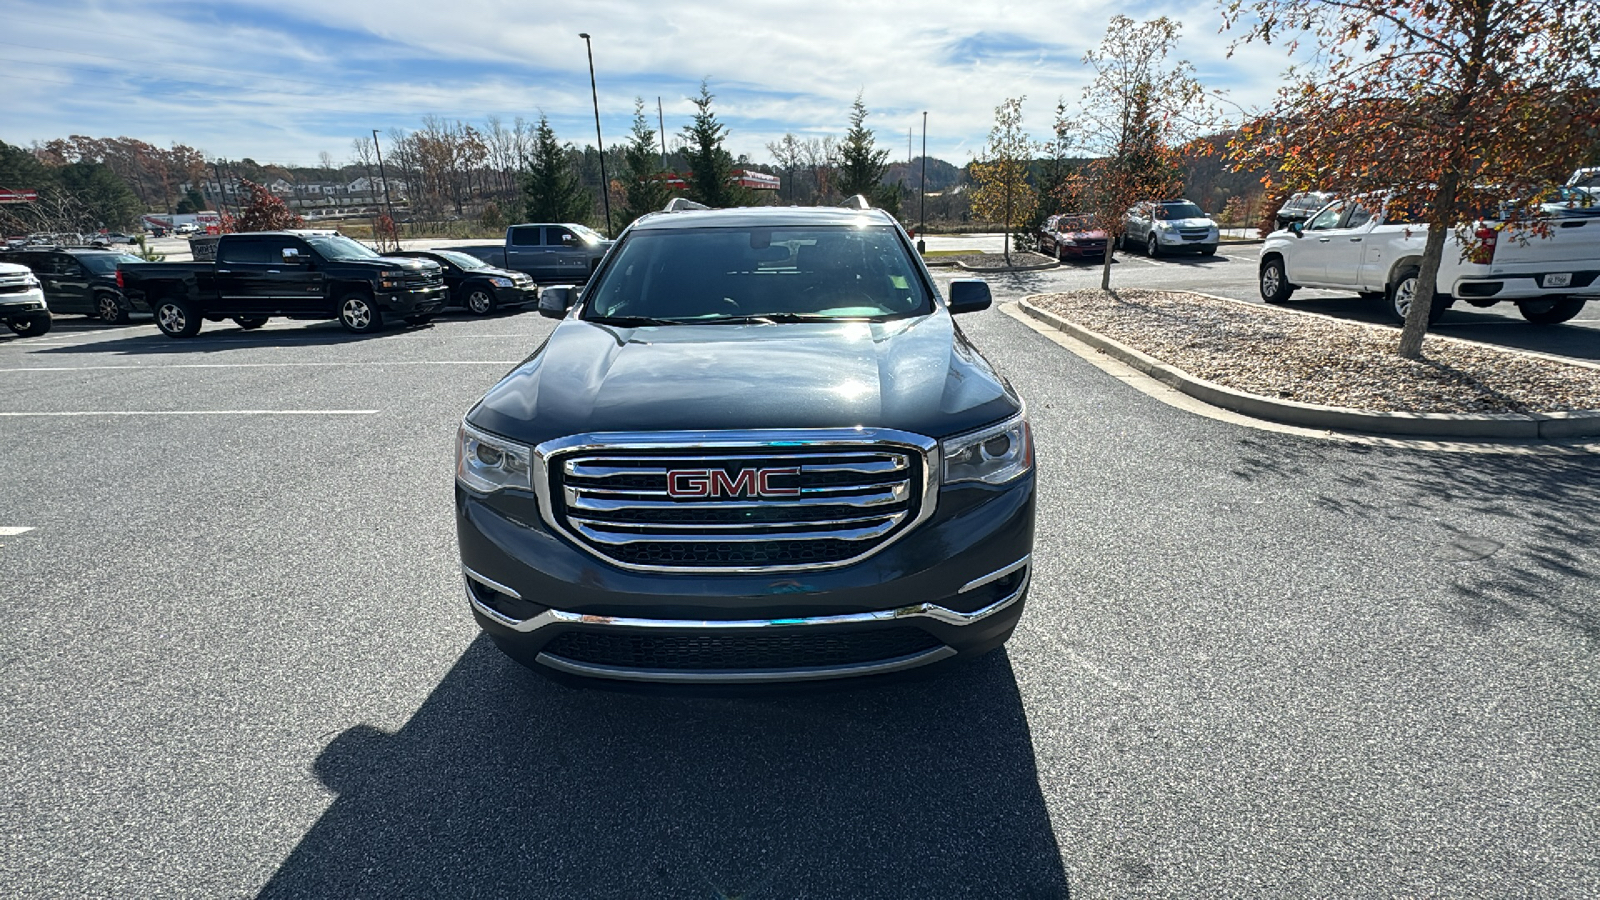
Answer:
(556, 300)
(969, 295)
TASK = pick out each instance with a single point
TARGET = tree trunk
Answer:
(1416, 327)
(1105, 265)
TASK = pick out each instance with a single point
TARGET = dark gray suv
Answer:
(757, 448)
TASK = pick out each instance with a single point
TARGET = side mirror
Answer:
(555, 301)
(969, 295)
(291, 256)
(1297, 229)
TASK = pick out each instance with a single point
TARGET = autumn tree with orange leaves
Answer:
(1454, 105)
(1136, 111)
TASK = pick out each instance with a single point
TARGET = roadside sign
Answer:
(10, 196)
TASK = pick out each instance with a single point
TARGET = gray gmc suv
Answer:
(756, 448)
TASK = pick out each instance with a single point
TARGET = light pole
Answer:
(922, 189)
(394, 227)
(605, 184)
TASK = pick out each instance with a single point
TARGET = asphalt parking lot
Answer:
(238, 662)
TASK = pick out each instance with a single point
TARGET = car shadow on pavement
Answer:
(219, 337)
(1516, 538)
(506, 784)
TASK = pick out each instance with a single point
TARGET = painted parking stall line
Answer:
(14, 530)
(195, 412)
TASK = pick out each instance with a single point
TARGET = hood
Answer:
(917, 375)
(398, 262)
(1095, 235)
(1188, 223)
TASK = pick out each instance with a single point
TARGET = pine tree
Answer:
(550, 188)
(645, 191)
(710, 166)
(861, 167)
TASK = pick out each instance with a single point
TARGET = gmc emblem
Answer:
(718, 483)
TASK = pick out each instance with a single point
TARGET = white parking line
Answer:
(199, 412)
(364, 365)
(14, 530)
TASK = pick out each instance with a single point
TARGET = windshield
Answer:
(1179, 211)
(338, 246)
(811, 272)
(106, 263)
(1074, 223)
(588, 234)
(461, 260)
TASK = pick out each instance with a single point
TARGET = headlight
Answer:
(994, 455)
(487, 463)
(1169, 228)
(497, 281)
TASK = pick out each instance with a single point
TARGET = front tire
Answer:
(1551, 310)
(109, 310)
(359, 314)
(32, 326)
(1275, 286)
(480, 302)
(1397, 300)
(1152, 246)
(177, 318)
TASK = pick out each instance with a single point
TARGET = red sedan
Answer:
(1072, 236)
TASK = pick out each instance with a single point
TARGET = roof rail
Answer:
(856, 202)
(683, 204)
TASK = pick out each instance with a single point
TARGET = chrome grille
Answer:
(830, 504)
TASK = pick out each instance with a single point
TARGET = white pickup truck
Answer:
(1346, 247)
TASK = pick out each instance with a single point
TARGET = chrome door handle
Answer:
(1324, 240)
(1355, 240)
(223, 271)
(273, 272)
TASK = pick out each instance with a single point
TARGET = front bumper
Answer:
(954, 586)
(23, 303)
(1167, 239)
(414, 302)
(516, 296)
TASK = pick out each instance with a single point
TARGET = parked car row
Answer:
(1157, 228)
(300, 274)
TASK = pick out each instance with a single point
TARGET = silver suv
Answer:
(1168, 227)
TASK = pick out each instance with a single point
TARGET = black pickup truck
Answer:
(290, 274)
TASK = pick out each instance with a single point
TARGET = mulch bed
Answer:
(1286, 355)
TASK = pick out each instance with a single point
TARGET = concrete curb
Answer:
(1333, 418)
(1003, 271)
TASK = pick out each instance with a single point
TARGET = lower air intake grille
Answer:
(699, 652)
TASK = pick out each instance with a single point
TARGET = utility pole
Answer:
(922, 217)
(605, 183)
(388, 207)
(222, 197)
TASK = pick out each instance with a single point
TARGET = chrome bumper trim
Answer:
(996, 575)
(493, 585)
(918, 611)
(745, 676)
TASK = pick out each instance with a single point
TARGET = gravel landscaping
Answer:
(1287, 355)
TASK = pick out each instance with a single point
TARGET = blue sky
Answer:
(285, 80)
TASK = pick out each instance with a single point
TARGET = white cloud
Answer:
(286, 79)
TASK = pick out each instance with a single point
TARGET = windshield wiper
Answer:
(633, 321)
